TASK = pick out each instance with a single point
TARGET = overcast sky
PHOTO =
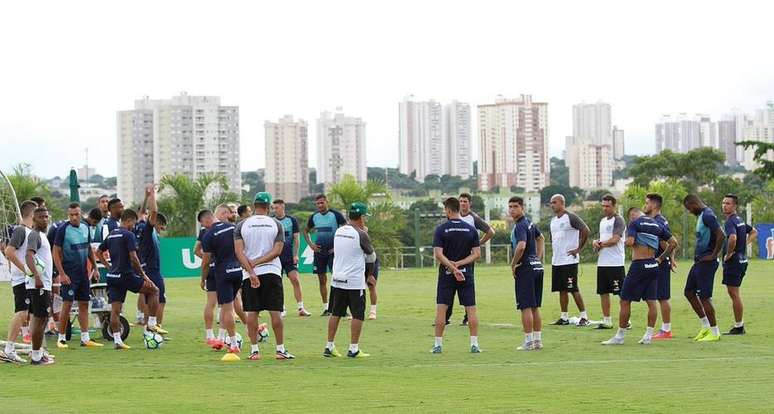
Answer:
(67, 67)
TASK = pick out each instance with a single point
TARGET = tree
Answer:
(761, 156)
(560, 174)
(182, 198)
(696, 168)
(28, 185)
(570, 193)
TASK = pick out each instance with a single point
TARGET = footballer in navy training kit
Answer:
(289, 256)
(527, 269)
(149, 252)
(739, 235)
(126, 275)
(324, 222)
(643, 236)
(456, 247)
(653, 203)
(701, 277)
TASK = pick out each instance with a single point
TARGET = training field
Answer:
(572, 374)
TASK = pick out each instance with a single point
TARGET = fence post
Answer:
(418, 254)
(488, 247)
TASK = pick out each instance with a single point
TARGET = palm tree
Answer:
(182, 198)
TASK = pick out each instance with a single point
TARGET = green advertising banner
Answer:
(178, 258)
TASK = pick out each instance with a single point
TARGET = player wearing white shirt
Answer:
(38, 284)
(610, 264)
(258, 243)
(354, 261)
(568, 236)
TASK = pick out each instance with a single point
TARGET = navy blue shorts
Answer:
(448, 286)
(323, 263)
(663, 285)
(228, 281)
(529, 285)
(734, 271)
(376, 269)
(701, 279)
(640, 282)
(158, 280)
(288, 265)
(118, 285)
(210, 281)
(78, 290)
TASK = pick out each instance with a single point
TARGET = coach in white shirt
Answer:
(610, 264)
(568, 236)
(354, 261)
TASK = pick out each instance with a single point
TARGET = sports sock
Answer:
(565, 316)
(280, 348)
(438, 341)
(607, 320)
(234, 342)
(36, 355)
(210, 334)
(373, 308)
(151, 321)
(704, 322)
(739, 324)
(221, 334)
(354, 348)
(537, 335)
(330, 345)
(715, 330)
(584, 315)
(9, 347)
(85, 337)
(117, 338)
(473, 341)
(621, 333)
(325, 306)
(25, 330)
(648, 332)
(62, 338)
(140, 316)
(300, 305)
(528, 337)
(666, 327)
(254, 348)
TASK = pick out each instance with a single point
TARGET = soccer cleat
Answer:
(613, 341)
(233, 350)
(537, 345)
(709, 338)
(331, 353)
(27, 339)
(629, 326)
(91, 344)
(474, 349)
(218, 345)
(263, 332)
(661, 335)
(122, 346)
(604, 326)
(645, 340)
(11, 357)
(211, 341)
(358, 354)
(303, 312)
(372, 316)
(561, 322)
(702, 333)
(255, 356)
(284, 355)
(44, 360)
(159, 330)
(737, 330)
(62, 344)
(326, 312)
(583, 322)
(436, 350)
(464, 321)
(526, 346)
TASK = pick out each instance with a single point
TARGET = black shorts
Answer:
(664, 282)
(564, 278)
(20, 298)
(79, 289)
(158, 280)
(529, 285)
(346, 298)
(228, 281)
(610, 279)
(118, 285)
(734, 270)
(40, 300)
(268, 296)
(323, 263)
(288, 265)
(448, 286)
(641, 281)
(210, 282)
(701, 279)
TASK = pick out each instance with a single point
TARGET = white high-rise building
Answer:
(761, 128)
(434, 138)
(189, 135)
(592, 122)
(341, 148)
(287, 163)
(513, 138)
(727, 138)
(679, 133)
(618, 143)
(590, 166)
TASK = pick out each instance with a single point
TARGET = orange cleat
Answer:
(662, 335)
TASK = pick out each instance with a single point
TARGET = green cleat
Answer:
(709, 338)
(702, 333)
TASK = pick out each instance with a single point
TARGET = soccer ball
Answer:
(153, 340)
(239, 340)
(263, 333)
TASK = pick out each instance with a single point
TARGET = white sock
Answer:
(85, 336)
(117, 338)
(151, 321)
(9, 347)
(254, 348)
(354, 348)
(666, 327)
(528, 337)
(621, 333)
(715, 330)
(234, 342)
(473, 341)
(210, 334)
(373, 308)
(300, 305)
(62, 338)
(583, 315)
(739, 324)
(140, 315)
(704, 322)
(221, 334)
(438, 341)
(648, 332)
(25, 330)
(607, 320)
(565, 316)
(281, 348)
(37, 355)
(330, 345)
(325, 306)
(537, 335)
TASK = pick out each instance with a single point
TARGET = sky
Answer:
(67, 67)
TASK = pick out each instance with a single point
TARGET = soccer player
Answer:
(738, 236)
(568, 236)
(38, 284)
(643, 235)
(15, 252)
(610, 264)
(701, 277)
(244, 211)
(456, 247)
(72, 251)
(115, 208)
(218, 248)
(40, 201)
(149, 253)
(371, 281)
(354, 260)
(258, 243)
(126, 274)
(527, 269)
(289, 256)
(324, 222)
(468, 216)
(206, 219)
(102, 204)
(653, 203)
(233, 212)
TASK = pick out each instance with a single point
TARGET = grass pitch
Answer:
(572, 374)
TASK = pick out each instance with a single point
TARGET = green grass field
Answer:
(572, 374)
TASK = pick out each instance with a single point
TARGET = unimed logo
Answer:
(190, 260)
